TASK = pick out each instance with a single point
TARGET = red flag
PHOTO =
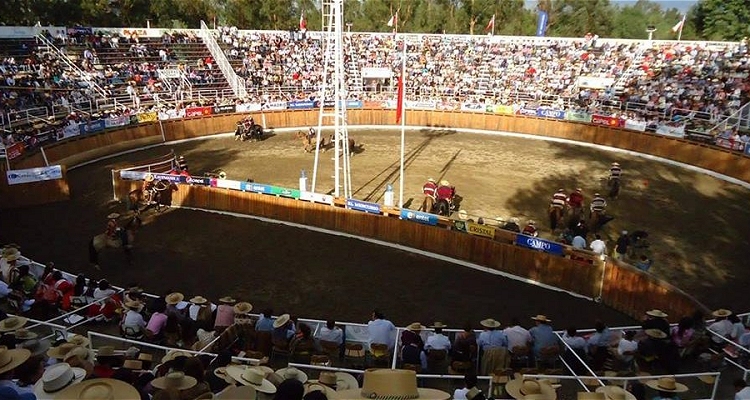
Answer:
(302, 21)
(400, 102)
(490, 25)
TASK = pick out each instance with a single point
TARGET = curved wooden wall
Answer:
(623, 287)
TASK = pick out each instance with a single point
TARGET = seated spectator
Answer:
(380, 330)
(738, 328)
(542, 335)
(302, 341)
(332, 333)
(644, 263)
(437, 341)
(682, 335)
(575, 342)
(283, 331)
(133, 325)
(224, 314)
(465, 344)
(158, 321)
(518, 336)
(721, 327)
(599, 343)
(626, 349)
(494, 345)
(265, 322)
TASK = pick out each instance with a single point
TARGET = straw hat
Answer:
(113, 216)
(656, 333)
(80, 352)
(11, 324)
(172, 354)
(541, 318)
(341, 380)
(149, 178)
(175, 381)
(227, 300)
(243, 307)
(132, 364)
(106, 351)
(657, 313)
(319, 387)
(60, 351)
(100, 388)
(438, 324)
(133, 305)
(292, 373)
(57, 377)
(591, 396)
(36, 347)
(721, 313)
(10, 359)
(391, 384)
(281, 321)
(174, 298)
(237, 392)
(145, 357)
(221, 373)
(12, 257)
(79, 340)
(415, 327)
(489, 323)
(463, 215)
(199, 300)
(667, 385)
(615, 393)
(23, 334)
(251, 376)
(523, 388)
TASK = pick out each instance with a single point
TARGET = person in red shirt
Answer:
(575, 200)
(445, 191)
(530, 229)
(429, 188)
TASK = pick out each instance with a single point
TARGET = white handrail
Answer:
(237, 83)
(70, 64)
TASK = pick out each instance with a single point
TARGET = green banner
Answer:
(578, 116)
(499, 109)
(284, 192)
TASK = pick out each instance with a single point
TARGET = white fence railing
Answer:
(236, 83)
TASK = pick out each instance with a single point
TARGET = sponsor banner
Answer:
(225, 109)
(501, 109)
(171, 178)
(301, 104)
(389, 104)
(373, 104)
(44, 136)
(284, 192)
(198, 111)
(372, 208)
(316, 197)
(133, 175)
(578, 116)
(669, 130)
(354, 104)
(480, 230)
(274, 105)
(473, 107)
(594, 82)
(635, 125)
(527, 111)
(248, 107)
(605, 120)
(420, 105)
(116, 121)
(147, 117)
(70, 130)
(228, 184)
(549, 113)
(730, 144)
(170, 73)
(14, 151)
(255, 187)
(539, 244)
(80, 30)
(417, 216)
(19, 176)
(91, 126)
(198, 180)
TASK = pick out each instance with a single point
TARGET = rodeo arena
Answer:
(220, 213)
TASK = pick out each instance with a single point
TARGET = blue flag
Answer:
(541, 23)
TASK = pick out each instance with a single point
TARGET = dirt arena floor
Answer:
(699, 229)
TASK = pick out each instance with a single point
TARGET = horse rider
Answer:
(182, 165)
(598, 204)
(530, 229)
(149, 181)
(430, 188)
(445, 191)
(614, 172)
(559, 199)
(575, 200)
(114, 231)
(311, 134)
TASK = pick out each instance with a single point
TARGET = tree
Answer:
(721, 19)
(575, 18)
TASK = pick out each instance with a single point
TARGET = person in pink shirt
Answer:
(157, 322)
(224, 314)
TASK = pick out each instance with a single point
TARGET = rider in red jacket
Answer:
(445, 191)
(575, 200)
(430, 188)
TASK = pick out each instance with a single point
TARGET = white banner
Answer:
(228, 184)
(133, 175)
(671, 130)
(70, 130)
(635, 125)
(376, 73)
(18, 176)
(474, 107)
(420, 105)
(169, 73)
(316, 197)
(248, 107)
(275, 105)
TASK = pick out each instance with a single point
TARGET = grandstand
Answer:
(502, 75)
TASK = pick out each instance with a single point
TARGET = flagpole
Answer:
(403, 128)
(493, 24)
(679, 35)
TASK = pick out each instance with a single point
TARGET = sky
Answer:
(682, 5)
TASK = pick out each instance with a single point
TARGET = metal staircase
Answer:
(354, 79)
(235, 82)
(485, 73)
(48, 46)
(626, 75)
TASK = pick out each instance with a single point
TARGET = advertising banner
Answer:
(284, 192)
(671, 130)
(373, 104)
(198, 180)
(133, 175)
(527, 111)
(635, 125)
(480, 230)
(19, 176)
(417, 216)
(225, 109)
(301, 104)
(606, 120)
(169, 73)
(373, 208)
(228, 184)
(502, 109)
(421, 105)
(578, 116)
(730, 144)
(248, 107)
(91, 126)
(354, 104)
(316, 197)
(473, 107)
(255, 187)
(197, 111)
(549, 113)
(274, 105)
(171, 178)
(70, 130)
(541, 22)
(747, 150)
(14, 151)
(539, 244)
(116, 121)
(147, 117)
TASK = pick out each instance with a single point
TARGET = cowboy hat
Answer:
(615, 393)
(79, 340)
(12, 257)
(172, 354)
(236, 392)
(721, 313)
(341, 380)
(100, 388)
(667, 385)
(523, 388)
(541, 318)
(149, 178)
(591, 396)
(60, 351)
(174, 381)
(463, 215)
(221, 373)
(11, 324)
(174, 298)
(415, 326)
(242, 307)
(394, 384)
(36, 347)
(56, 378)
(489, 323)
(656, 333)
(132, 364)
(23, 334)
(281, 320)
(251, 376)
(657, 313)
(227, 300)
(106, 351)
(133, 305)
(113, 216)
(292, 373)
(81, 352)
(438, 324)
(199, 300)
(145, 357)
(10, 359)
(319, 387)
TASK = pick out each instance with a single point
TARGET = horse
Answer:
(428, 204)
(597, 220)
(555, 217)
(254, 133)
(614, 188)
(102, 241)
(443, 207)
(310, 143)
(351, 142)
(158, 197)
(573, 216)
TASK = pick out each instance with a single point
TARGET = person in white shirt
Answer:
(381, 330)
(579, 242)
(103, 290)
(627, 347)
(331, 333)
(438, 341)
(598, 246)
(575, 342)
(518, 336)
(741, 389)
(133, 323)
(721, 326)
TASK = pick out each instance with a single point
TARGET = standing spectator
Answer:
(381, 330)
(224, 314)
(721, 327)
(158, 321)
(621, 248)
(517, 335)
(579, 242)
(542, 334)
(265, 322)
(494, 346)
(438, 341)
(465, 344)
(598, 246)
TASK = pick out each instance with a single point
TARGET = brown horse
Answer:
(158, 197)
(428, 204)
(555, 217)
(123, 239)
(309, 144)
(351, 142)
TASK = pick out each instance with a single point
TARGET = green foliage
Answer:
(721, 19)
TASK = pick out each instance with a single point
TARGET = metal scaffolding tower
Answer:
(332, 97)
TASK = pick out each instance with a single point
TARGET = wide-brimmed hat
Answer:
(221, 373)
(251, 376)
(24, 334)
(172, 354)
(100, 388)
(415, 326)
(149, 178)
(657, 313)
(242, 307)
(292, 373)
(342, 380)
(438, 324)
(489, 323)
(175, 381)
(314, 386)
(60, 351)
(132, 364)
(56, 378)
(145, 357)
(10, 359)
(667, 385)
(11, 324)
(36, 347)
(199, 300)
(392, 384)
(79, 340)
(541, 318)
(133, 305)
(463, 215)
(721, 313)
(12, 257)
(106, 351)
(656, 333)
(227, 300)
(615, 393)
(590, 396)
(113, 216)
(80, 352)
(174, 298)
(236, 392)
(444, 183)
(526, 388)
(281, 320)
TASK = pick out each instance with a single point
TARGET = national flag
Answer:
(302, 21)
(394, 20)
(490, 25)
(679, 25)
(400, 102)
